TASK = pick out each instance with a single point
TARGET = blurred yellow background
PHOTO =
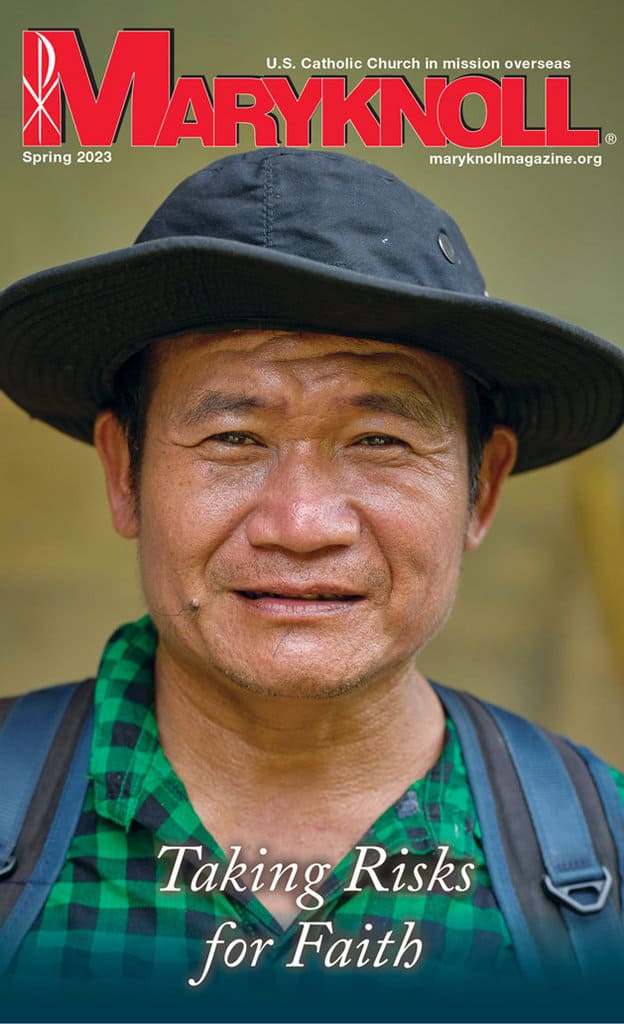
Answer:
(539, 622)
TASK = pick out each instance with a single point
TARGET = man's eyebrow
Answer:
(210, 402)
(415, 407)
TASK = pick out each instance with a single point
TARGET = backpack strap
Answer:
(612, 803)
(45, 743)
(541, 812)
(496, 847)
(27, 736)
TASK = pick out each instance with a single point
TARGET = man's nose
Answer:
(304, 507)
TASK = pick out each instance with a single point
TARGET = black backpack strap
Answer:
(45, 743)
(549, 848)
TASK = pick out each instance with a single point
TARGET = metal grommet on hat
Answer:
(446, 246)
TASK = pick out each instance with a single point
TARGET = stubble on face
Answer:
(203, 538)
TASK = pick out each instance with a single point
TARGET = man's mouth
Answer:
(257, 595)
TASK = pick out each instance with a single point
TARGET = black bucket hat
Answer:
(318, 241)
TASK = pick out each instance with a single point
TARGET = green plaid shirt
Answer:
(106, 914)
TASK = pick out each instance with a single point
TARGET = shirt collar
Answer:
(125, 740)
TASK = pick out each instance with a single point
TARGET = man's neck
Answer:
(304, 778)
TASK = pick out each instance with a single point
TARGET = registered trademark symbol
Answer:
(610, 138)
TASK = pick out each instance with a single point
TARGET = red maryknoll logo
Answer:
(57, 80)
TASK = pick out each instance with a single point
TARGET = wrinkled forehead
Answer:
(300, 363)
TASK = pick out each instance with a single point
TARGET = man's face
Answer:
(303, 507)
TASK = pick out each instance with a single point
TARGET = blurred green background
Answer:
(539, 622)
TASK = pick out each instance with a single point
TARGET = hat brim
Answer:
(67, 330)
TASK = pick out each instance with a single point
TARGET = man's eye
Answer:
(379, 440)
(233, 437)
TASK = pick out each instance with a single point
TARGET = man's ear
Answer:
(499, 456)
(112, 446)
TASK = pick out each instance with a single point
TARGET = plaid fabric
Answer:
(106, 914)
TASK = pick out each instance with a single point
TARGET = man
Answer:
(306, 406)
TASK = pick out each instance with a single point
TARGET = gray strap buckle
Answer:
(602, 886)
(8, 866)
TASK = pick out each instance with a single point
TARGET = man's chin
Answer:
(314, 661)
(288, 673)
(294, 685)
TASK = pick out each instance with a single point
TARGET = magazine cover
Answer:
(313, 372)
